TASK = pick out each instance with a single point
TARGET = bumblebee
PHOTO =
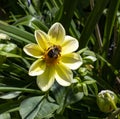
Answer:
(54, 51)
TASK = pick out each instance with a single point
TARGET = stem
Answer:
(98, 35)
(5, 89)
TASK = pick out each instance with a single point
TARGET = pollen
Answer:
(52, 54)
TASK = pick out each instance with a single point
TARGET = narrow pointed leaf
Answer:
(16, 33)
(91, 21)
(109, 25)
(66, 13)
(9, 106)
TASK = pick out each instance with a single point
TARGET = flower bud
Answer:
(106, 101)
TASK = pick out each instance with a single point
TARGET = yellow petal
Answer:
(46, 80)
(63, 75)
(56, 33)
(69, 45)
(37, 67)
(33, 50)
(42, 39)
(72, 60)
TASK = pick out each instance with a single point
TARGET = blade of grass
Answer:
(116, 53)
(73, 31)
(110, 20)
(92, 21)
(16, 33)
(66, 13)
(9, 106)
(49, 4)
(6, 54)
(32, 22)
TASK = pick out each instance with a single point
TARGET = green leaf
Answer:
(89, 78)
(73, 30)
(16, 33)
(116, 57)
(6, 54)
(2, 59)
(10, 95)
(110, 20)
(46, 109)
(91, 58)
(111, 15)
(32, 22)
(37, 108)
(92, 21)
(30, 107)
(95, 87)
(85, 89)
(60, 94)
(9, 106)
(74, 97)
(5, 116)
(36, 24)
(89, 82)
(66, 12)
(87, 52)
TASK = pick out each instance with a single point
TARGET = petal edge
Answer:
(63, 75)
(56, 33)
(37, 68)
(42, 39)
(46, 80)
(69, 45)
(33, 50)
(72, 60)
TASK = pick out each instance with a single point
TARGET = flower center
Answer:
(52, 54)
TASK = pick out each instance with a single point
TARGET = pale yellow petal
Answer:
(63, 75)
(37, 68)
(42, 39)
(56, 33)
(69, 45)
(46, 80)
(33, 50)
(72, 60)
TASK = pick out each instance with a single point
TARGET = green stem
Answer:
(8, 89)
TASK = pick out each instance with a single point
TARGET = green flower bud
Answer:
(106, 101)
(83, 71)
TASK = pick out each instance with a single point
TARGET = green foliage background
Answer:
(96, 25)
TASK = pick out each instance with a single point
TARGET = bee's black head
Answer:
(54, 52)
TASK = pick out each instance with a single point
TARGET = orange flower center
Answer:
(52, 54)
